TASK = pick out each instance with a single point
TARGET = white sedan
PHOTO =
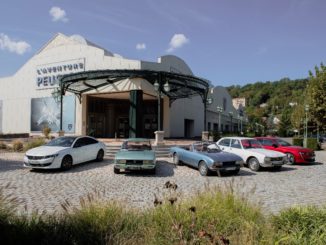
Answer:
(252, 152)
(63, 152)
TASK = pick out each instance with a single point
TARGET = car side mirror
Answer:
(275, 145)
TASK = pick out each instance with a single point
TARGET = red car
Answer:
(295, 154)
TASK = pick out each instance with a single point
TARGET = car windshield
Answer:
(137, 145)
(208, 147)
(62, 141)
(282, 142)
(250, 143)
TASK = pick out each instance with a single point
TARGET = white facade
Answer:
(62, 55)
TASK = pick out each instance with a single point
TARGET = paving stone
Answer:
(45, 190)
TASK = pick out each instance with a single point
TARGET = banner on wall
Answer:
(0, 116)
(46, 112)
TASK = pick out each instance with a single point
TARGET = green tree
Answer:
(297, 117)
(316, 96)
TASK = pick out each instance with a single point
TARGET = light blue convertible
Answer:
(206, 158)
(135, 154)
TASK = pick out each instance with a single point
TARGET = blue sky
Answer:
(225, 41)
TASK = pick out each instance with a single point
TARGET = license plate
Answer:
(231, 168)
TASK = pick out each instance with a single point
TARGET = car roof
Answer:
(238, 138)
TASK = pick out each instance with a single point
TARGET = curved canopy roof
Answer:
(181, 86)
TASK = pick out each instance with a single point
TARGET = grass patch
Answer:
(213, 217)
(301, 225)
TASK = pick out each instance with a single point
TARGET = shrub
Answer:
(17, 145)
(215, 134)
(312, 144)
(46, 132)
(34, 143)
(3, 146)
(301, 225)
(297, 141)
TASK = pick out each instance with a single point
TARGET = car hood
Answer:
(223, 156)
(45, 150)
(298, 148)
(265, 152)
(135, 155)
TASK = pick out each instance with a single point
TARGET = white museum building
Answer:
(106, 95)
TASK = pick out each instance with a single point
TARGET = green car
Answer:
(135, 154)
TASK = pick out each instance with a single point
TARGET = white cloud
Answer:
(141, 46)
(177, 41)
(18, 47)
(58, 14)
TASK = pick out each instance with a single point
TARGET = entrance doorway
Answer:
(188, 128)
(108, 115)
(123, 127)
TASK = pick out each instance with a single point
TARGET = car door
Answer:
(78, 151)
(224, 144)
(236, 147)
(92, 148)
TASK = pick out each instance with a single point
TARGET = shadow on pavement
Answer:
(163, 169)
(76, 168)
(10, 165)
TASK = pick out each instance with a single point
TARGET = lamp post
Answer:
(231, 116)
(158, 89)
(219, 111)
(241, 132)
(306, 109)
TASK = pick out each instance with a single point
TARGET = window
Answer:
(267, 142)
(235, 144)
(209, 126)
(224, 104)
(225, 142)
(90, 141)
(215, 126)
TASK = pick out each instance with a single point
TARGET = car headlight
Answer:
(52, 156)
(267, 159)
(121, 161)
(240, 162)
(217, 164)
(147, 162)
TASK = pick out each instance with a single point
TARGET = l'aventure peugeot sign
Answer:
(48, 74)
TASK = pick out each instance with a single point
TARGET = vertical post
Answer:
(205, 120)
(219, 123)
(61, 105)
(159, 102)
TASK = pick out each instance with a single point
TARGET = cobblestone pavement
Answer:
(46, 190)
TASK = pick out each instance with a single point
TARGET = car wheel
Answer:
(254, 164)
(66, 163)
(203, 169)
(290, 158)
(100, 156)
(116, 170)
(176, 160)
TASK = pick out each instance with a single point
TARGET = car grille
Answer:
(228, 164)
(39, 165)
(276, 158)
(35, 157)
(135, 162)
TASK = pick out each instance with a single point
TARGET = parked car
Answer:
(135, 154)
(295, 154)
(252, 152)
(63, 152)
(207, 160)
